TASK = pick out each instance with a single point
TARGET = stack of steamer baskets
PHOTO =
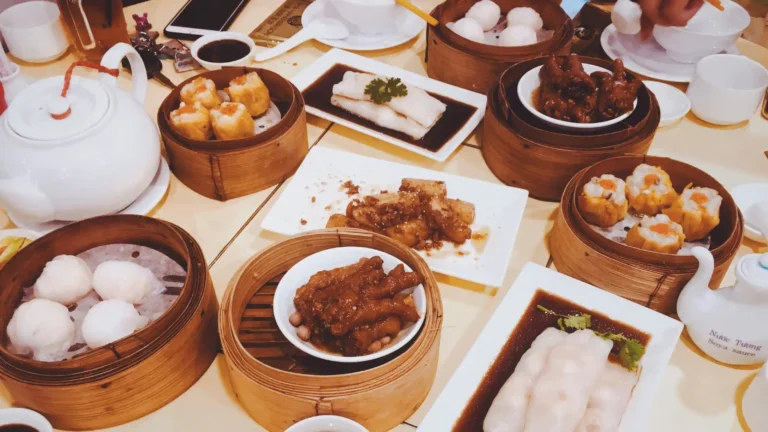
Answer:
(133, 376)
(649, 278)
(474, 66)
(230, 169)
(525, 151)
(279, 385)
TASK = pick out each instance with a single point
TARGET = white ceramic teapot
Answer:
(86, 151)
(728, 324)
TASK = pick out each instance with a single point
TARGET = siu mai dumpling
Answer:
(200, 90)
(192, 121)
(231, 121)
(603, 202)
(697, 210)
(657, 234)
(649, 190)
(250, 91)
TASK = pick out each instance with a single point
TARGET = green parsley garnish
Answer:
(382, 91)
(630, 350)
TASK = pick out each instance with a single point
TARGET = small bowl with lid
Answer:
(22, 419)
(223, 49)
(327, 423)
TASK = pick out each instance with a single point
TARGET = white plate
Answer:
(674, 104)
(327, 423)
(745, 196)
(530, 82)
(499, 209)
(329, 259)
(142, 206)
(407, 27)
(646, 58)
(317, 69)
(664, 332)
(16, 232)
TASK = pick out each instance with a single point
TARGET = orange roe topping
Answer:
(241, 80)
(228, 108)
(651, 179)
(607, 184)
(186, 109)
(662, 229)
(699, 198)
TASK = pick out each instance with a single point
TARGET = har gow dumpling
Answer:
(109, 321)
(525, 16)
(65, 279)
(124, 280)
(42, 327)
(517, 35)
(486, 13)
(469, 29)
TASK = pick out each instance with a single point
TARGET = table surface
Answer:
(697, 393)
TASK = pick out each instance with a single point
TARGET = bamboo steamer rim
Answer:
(273, 81)
(581, 228)
(105, 361)
(313, 385)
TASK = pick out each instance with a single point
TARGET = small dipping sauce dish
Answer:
(327, 423)
(223, 49)
(23, 420)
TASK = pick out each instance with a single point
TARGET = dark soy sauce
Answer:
(17, 428)
(457, 114)
(531, 325)
(223, 51)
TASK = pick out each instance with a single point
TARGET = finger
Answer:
(650, 10)
(679, 12)
(646, 28)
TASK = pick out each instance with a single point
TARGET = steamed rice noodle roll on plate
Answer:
(603, 202)
(697, 209)
(649, 190)
(657, 234)
(609, 400)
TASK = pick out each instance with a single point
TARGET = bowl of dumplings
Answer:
(117, 310)
(628, 224)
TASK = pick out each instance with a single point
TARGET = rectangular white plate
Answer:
(664, 332)
(336, 56)
(498, 208)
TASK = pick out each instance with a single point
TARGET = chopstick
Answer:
(420, 13)
(717, 4)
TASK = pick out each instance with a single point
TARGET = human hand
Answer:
(667, 13)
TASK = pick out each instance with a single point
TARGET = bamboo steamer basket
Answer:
(136, 375)
(527, 124)
(455, 60)
(230, 169)
(279, 385)
(648, 278)
(544, 170)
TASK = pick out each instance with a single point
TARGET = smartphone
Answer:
(201, 17)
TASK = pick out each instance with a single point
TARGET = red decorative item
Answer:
(3, 103)
(68, 80)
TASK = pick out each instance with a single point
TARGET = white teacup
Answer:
(23, 416)
(34, 32)
(368, 17)
(727, 89)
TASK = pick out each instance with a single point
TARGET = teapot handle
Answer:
(112, 60)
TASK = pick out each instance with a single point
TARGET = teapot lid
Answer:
(754, 269)
(41, 113)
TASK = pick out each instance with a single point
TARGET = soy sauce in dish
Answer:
(532, 323)
(223, 51)
(17, 428)
(457, 114)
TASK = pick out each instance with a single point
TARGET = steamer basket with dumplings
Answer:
(474, 66)
(226, 169)
(649, 278)
(136, 375)
(525, 151)
(278, 385)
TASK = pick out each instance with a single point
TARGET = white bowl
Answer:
(747, 195)
(199, 43)
(327, 423)
(709, 32)
(674, 104)
(329, 259)
(26, 417)
(530, 82)
(34, 31)
(368, 17)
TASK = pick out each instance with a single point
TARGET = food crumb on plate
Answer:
(352, 189)
(314, 199)
(303, 221)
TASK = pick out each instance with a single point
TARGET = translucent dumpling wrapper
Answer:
(109, 321)
(125, 280)
(525, 16)
(486, 13)
(517, 35)
(469, 29)
(65, 279)
(43, 328)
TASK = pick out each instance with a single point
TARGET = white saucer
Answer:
(407, 27)
(745, 196)
(647, 57)
(142, 206)
(674, 104)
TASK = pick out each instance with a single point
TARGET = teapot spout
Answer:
(697, 299)
(23, 199)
